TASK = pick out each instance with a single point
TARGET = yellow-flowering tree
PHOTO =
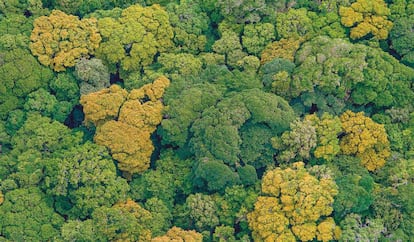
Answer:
(294, 206)
(284, 48)
(125, 122)
(59, 40)
(365, 139)
(176, 234)
(367, 17)
(102, 106)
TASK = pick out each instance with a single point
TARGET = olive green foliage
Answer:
(123, 221)
(133, 39)
(20, 73)
(351, 73)
(282, 121)
(229, 45)
(214, 175)
(202, 210)
(184, 110)
(294, 24)
(65, 88)
(354, 228)
(257, 36)
(170, 180)
(82, 7)
(355, 187)
(34, 139)
(83, 178)
(19, 6)
(190, 24)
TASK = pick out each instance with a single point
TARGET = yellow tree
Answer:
(176, 234)
(125, 122)
(59, 40)
(102, 106)
(367, 17)
(365, 139)
(294, 206)
(284, 48)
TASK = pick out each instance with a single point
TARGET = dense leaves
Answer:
(215, 120)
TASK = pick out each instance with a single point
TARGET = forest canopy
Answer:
(218, 120)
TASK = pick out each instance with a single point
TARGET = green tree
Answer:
(350, 74)
(295, 24)
(65, 88)
(297, 143)
(229, 45)
(169, 182)
(213, 175)
(82, 179)
(256, 36)
(401, 38)
(183, 109)
(124, 221)
(327, 129)
(202, 211)
(161, 216)
(133, 39)
(27, 214)
(190, 24)
(353, 228)
(20, 73)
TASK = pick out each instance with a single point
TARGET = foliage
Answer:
(19, 71)
(93, 74)
(253, 88)
(27, 215)
(178, 234)
(351, 73)
(283, 48)
(327, 129)
(401, 37)
(365, 139)
(294, 205)
(82, 179)
(256, 36)
(189, 23)
(297, 143)
(127, 126)
(133, 39)
(366, 17)
(353, 228)
(60, 39)
(294, 24)
(202, 210)
(124, 221)
(216, 133)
